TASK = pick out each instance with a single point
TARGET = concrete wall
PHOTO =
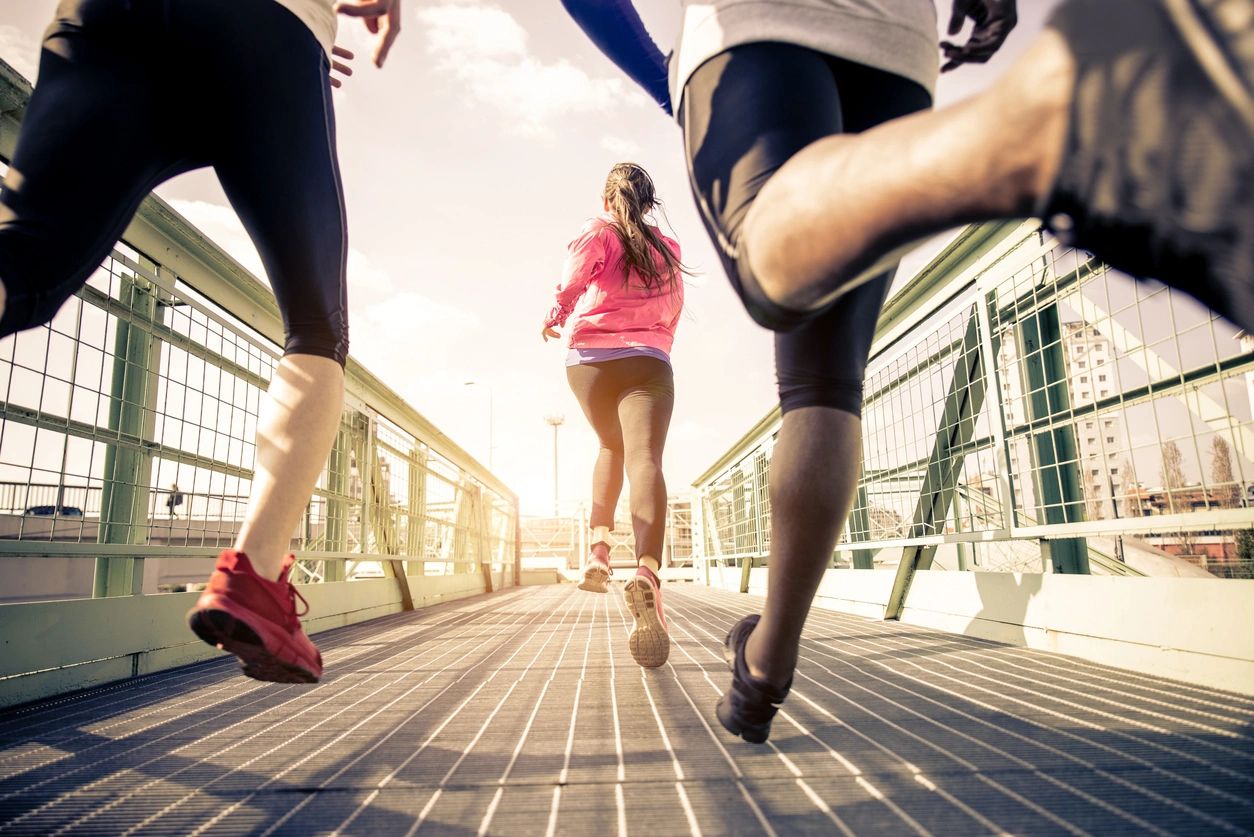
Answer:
(1198, 630)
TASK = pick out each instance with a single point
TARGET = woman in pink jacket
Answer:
(622, 290)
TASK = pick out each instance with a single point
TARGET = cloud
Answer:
(393, 331)
(621, 148)
(20, 51)
(485, 48)
(221, 225)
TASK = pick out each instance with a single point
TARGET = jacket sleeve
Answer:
(679, 296)
(585, 259)
(617, 30)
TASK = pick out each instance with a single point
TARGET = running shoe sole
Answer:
(1197, 21)
(1153, 178)
(649, 643)
(595, 580)
(223, 630)
(753, 733)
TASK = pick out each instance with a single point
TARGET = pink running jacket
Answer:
(609, 306)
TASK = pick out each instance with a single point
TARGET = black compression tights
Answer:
(747, 111)
(133, 92)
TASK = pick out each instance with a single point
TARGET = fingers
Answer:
(363, 9)
(993, 21)
(957, 18)
(382, 18)
(391, 31)
(339, 66)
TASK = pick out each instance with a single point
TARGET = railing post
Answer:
(761, 504)
(416, 530)
(1054, 449)
(132, 420)
(517, 547)
(860, 521)
(335, 534)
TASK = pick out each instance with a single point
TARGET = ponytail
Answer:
(630, 195)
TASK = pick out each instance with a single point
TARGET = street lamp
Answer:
(491, 422)
(556, 420)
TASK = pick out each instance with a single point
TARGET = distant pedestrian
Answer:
(174, 500)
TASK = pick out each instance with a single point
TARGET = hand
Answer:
(337, 67)
(550, 334)
(382, 18)
(993, 21)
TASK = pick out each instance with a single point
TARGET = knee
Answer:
(34, 281)
(763, 299)
(326, 337)
(643, 462)
(803, 390)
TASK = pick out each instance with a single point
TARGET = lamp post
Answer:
(555, 420)
(491, 420)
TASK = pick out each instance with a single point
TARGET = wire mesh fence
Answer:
(564, 542)
(1028, 409)
(126, 434)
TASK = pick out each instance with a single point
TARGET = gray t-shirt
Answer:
(898, 36)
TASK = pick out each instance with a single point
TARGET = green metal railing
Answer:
(152, 377)
(1029, 410)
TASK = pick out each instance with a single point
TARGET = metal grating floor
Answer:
(523, 713)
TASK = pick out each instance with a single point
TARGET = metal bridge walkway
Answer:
(522, 713)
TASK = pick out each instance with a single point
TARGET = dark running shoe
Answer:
(750, 704)
(256, 620)
(1157, 172)
(597, 572)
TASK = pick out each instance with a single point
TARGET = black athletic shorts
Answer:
(133, 92)
(745, 113)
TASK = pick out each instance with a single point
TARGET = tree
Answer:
(1127, 504)
(1224, 489)
(1173, 482)
(1172, 473)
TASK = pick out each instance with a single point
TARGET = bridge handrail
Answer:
(981, 319)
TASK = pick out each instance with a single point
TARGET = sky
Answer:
(469, 162)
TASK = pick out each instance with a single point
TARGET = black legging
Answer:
(133, 92)
(745, 112)
(629, 403)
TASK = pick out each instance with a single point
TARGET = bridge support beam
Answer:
(944, 466)
(124, 502)
(1060, 497)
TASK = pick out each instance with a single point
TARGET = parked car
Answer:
(54, 511)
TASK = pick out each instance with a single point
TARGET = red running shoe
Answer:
(597, 572)
(649, 642)
(257, 621)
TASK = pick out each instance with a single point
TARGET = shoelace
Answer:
(294, 615)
